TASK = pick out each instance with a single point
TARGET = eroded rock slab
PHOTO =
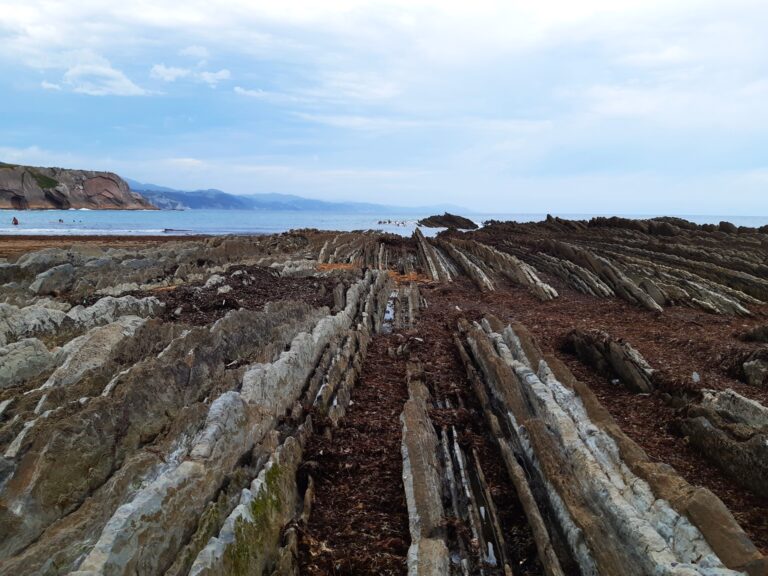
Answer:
(24, 360)
(611, 356)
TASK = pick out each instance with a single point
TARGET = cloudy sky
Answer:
(606, 106)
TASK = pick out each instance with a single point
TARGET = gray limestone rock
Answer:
(91, 350)
(22, 360)
(29, 321)
(55, 281)
(756, 372)
(422, 478)
(600, 350)
(109, 309)
(41, 260)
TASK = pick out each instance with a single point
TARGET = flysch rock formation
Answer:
(179, 407)
(610, 356)
(652, 264)
(733, 431)
(34, 188)
(117, 413)
(612, 513)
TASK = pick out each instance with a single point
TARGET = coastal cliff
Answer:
(32, 188)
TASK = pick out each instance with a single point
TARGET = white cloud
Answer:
(336, 86)
(199, 52)
(186, 163)
(388, 50)
(309, 174)
(679, 105)
(756, 88)
(100, 80)
(213, 78)
(503, 126)
(506, 86)
(253, 93)
(279, 98)
(415, 30)
(168, 73)
(173, 73)
(37, 156)
(87, 72)
(352, 85)
(758, 176)
(369, 123)
(663, 56)
(28, 155)
(627, 101)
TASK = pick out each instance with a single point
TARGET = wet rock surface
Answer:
(555, 398)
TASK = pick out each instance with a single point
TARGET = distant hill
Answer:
(171, 199)
(38, 188)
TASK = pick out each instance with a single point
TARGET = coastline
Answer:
(238, 222)
(13, 245)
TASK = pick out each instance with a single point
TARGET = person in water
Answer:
(15, 221)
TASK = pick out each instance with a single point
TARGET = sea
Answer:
(190, 222)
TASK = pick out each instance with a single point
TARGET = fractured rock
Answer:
(732, 431)
(23, 360)
(91, 350)
(35, 320)
(422, 478)
(109, 309)
(578, 473)
(55, 281)
(511, 267)
(756, 372)
(612, 356)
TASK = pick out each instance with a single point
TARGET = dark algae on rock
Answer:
(448, 221)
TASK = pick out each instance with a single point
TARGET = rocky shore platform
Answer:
(553, 398)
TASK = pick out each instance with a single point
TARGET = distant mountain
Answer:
(171, 199)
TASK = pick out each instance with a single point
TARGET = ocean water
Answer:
(144, 222)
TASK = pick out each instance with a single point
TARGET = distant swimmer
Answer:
(15, 221)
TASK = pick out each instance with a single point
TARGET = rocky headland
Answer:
(33, 188)
(562, 397)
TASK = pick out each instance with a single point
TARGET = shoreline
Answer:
(12, 245)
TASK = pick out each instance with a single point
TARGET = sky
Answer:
(595, 106)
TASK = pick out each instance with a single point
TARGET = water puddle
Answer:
(389, 313)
